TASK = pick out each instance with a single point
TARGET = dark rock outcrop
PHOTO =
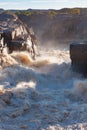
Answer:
(9, 23)
(11, 28)
(16, 34)
(78, 55)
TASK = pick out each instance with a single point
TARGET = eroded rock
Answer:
(78, 55)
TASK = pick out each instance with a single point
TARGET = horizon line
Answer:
(43, 9)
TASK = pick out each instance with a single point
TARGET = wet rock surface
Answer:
(9, 23)
(78, 55)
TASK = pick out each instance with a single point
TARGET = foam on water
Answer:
(42, 95)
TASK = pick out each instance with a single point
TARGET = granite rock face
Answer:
(10, 24)
(12, 30)
(78, 55)
(16, 35)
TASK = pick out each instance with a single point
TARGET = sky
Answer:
(42, 4)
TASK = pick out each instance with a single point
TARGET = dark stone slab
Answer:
(78, 55)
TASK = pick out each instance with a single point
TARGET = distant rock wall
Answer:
(59, 27)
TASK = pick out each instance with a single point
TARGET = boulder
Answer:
(15, 34)
(78, 55)
(12, 27)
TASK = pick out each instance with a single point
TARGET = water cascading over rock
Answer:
(16, 34)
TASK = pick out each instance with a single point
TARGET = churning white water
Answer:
(42, 95)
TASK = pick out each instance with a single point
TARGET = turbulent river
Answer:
(44, 94)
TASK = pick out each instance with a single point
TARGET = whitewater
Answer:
(45, 94)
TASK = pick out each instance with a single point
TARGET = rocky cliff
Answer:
(9, 22)
(58, 25)
(61, 26)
